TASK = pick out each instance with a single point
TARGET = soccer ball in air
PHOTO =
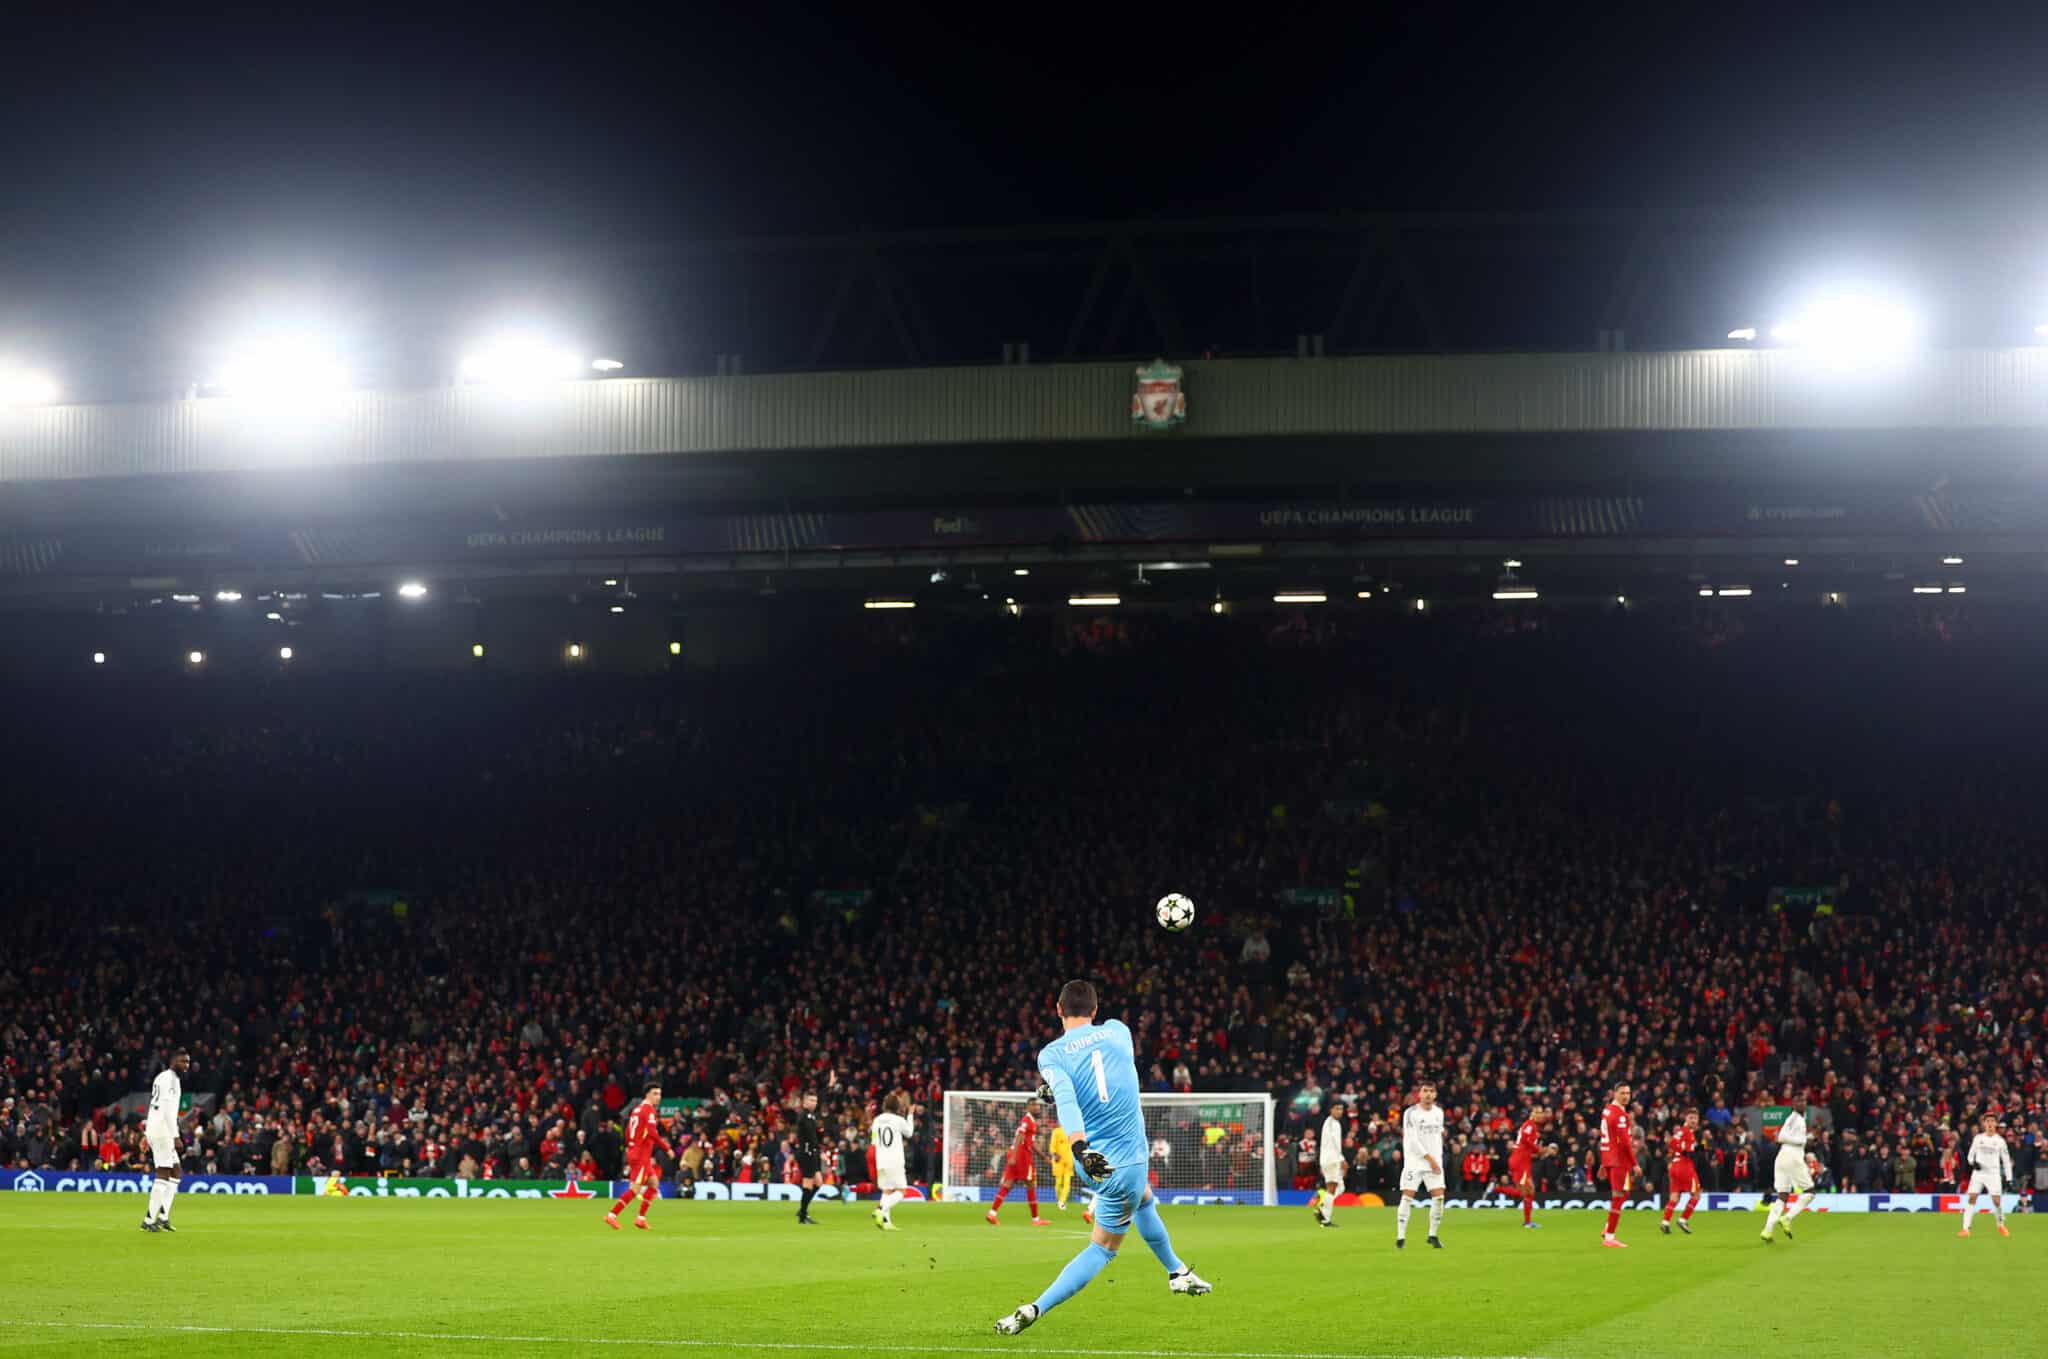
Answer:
(1176, 912)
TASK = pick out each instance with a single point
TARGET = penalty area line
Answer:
(747, 1346)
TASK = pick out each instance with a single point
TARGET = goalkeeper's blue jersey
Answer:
(1093, 1073)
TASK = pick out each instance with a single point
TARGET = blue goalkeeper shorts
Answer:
(1117, 1197)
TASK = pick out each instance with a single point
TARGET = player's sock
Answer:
(1796, 1206)
(1614, 1213)
(1001, 1194)
(619, 1205)
(1031, 1197)
(1328, 1205)
(1528, 1206)
(1969, 1212)
(1401, 1219)
(156, 1199)
(1777, 1211)
(646, 1197)
(1080, 1271)
(1691, 1202)
(1436, 1216)
(1998, 1208)
(890, 1198)
(1670, 1206)
(170, 1196)
(804, 1208)
(1154, 1232)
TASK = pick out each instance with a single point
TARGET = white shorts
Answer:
(1790, 1173)
(163, 1150)
(1986, 1182)
(886, 1178)
(1420, 1176)
(1333, 1172)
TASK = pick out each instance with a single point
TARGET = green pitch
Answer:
(461, 1280)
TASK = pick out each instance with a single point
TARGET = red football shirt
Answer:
(1617, 1151)
(1525, 1141)
(1683, 1143)
(643, 1132)
(1027, 1138)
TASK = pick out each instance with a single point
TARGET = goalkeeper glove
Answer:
(1094, 1162)
(1045, 1093)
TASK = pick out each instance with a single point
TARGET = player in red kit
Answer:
(1617, 1161)
(1685, 1179)
(643, 1135)
(1521, 1180)
(1021, 1167)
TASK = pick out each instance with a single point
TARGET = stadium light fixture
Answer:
(284, 653)
(575, 651)
(1513, 563)
(611, 581)
(1951, 560)
(1094, 601)
(606, 365)
(1302, 597)
(889, 604)
(184, 599)
(675, 648)
(227, 596)
(290, 367)
(1422, 606)
(1706, 592)
(1013, 608)
(27, 387)
(99, 658)
(1791, 561)
(195, 657)
(1957, 589)
(1518, 592)
(618, 608)
(476, 650)
(1621, 600)
(274, 616)
(1851, 328)
(412, 589)
(516, 360)
(1744, 333)
(1926, 589)
(1021, 571)
(1734, 592)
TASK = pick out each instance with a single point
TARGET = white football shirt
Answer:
(1422, 1134)
(890, 1134)
(1330, 1142)
(165, 1094)
(1792, 1133)
(1989, 1154)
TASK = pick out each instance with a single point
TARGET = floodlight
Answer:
(1743, 333)
(476, 649)
(99, 658)
(889, 604)
(412, 589)
(1851, 328)
(26, 387)
(513, 360)
(1791, 561)
(675, 648)
(575, 651)
(227, 596)
(1301, 597)
(606, 365)
(284, 653)
(289, 367)
(196, 657)
(1094, 601)
(1520, 593)
(1734, 592)
(1951, 560)
(618, 608)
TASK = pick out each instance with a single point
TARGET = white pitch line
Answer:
(764, 1346)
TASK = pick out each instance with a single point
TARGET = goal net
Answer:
(1205, 1148)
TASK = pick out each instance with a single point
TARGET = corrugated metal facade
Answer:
(1478, 394)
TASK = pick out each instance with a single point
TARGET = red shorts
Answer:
(638, 1170)
(1518, 1170)
(1618, 1177)
(1684, 1179)
(1019, 1171)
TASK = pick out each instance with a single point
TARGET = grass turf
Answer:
(454, 1279)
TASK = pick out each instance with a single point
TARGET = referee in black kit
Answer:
(810, 1147)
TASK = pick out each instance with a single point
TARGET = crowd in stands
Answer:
(452, 925)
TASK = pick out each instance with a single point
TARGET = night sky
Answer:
(167, 176)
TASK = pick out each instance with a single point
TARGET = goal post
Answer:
(1214, 1148)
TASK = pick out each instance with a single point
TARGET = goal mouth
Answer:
(1205, 1148)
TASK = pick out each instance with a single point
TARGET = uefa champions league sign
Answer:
(1158, 402)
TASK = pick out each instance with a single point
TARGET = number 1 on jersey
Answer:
(1101, 1076)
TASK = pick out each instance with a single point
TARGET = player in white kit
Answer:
(1990, 1172)
(160, 1130)
(1330, 1149)
(1791, 1176)
(1422, 1164)
(891, 1135)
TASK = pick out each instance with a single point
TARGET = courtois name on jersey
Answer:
(1093, 1073)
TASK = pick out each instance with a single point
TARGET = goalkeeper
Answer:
(1091, 1067)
